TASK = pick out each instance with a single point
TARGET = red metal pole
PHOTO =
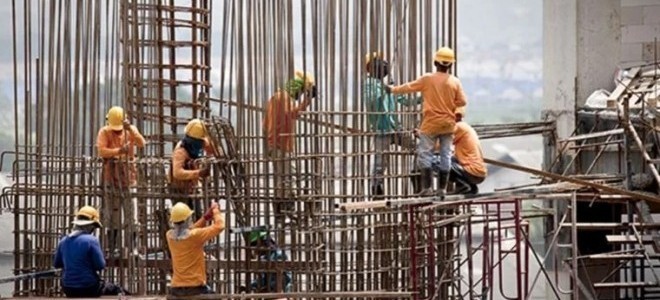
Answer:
(431, 255)
(517, 245)
(413, 254)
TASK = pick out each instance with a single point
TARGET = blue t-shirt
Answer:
(80, 257)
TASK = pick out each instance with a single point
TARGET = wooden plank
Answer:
(302, 295)
(593, 135)
(624, 285)
(621, 87)
(628, 239)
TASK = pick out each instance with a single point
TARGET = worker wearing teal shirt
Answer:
(382, 118)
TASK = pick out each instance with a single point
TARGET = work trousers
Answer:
(115, 201)
(382, 144)
(284, 175)
(458, 175)
(425, 155)
(95, 291)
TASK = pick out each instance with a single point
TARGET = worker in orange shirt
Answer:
(186, 244)
(185, 171)
(279, 126)
(116, 144)
(467, 165)
(442, 93)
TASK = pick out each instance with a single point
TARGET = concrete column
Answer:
(560, 63)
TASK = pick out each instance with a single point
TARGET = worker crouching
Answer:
(80, 257)
(266, 249)
(184, 172)
(467, 166)
(186, 244)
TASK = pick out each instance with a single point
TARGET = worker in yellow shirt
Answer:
(186, 244)
(467, 166)
(442, 93)
(116, 144)
(279, 127)
(185, 173)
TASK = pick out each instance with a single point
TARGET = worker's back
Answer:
(81, 257)
(468, 150)
(188, 261)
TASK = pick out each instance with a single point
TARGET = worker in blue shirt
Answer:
(80, 257)
(266, 249)
(382, 118)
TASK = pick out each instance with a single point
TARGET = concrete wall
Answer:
(640, 26)
(581, 50)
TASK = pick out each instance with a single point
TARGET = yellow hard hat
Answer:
(444, 56)
(196, 129)
(307, 78)
(371, 56)
(115, 118)
(90, 216)
(180, 212)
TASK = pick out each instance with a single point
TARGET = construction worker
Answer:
(80, 257)
(266, 249)
(116, 144)
(382, 118)
(442, 93)
(467, 165)
(279, 126)
(185, 171)
(186, 244)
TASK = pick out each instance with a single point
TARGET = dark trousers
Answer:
(467, 181)
(95, 291)
(190, 291)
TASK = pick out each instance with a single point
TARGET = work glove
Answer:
(205, 172)
(123, 149)
(209, 212)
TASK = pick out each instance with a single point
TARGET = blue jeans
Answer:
(382, 143)
(425, 156)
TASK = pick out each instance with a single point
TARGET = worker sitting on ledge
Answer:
(80, 257)
(442, 93)
(467, 165)
(382, 118)
(265, 249)
(185, 173)
(186, 244)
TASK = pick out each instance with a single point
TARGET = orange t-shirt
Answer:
(188, 261)
(185, 176)
(468, 150)
(442, 93)
(108, 144)
(280, 120)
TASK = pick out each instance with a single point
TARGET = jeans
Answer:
(284, 175)
(382, 143)
(425, 156)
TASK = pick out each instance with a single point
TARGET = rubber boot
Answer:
(113, 235)
(415, 180)
(443, 179)
(426, 181)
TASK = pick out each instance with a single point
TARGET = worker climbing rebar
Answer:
(186, 171)
(279, 127)
(116, 144)
(442, 93)
(80, 257)
(382, 118)
(186, 244)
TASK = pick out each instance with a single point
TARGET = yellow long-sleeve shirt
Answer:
(188, 258)
(442, 93)
(108, 145)
(468, 150)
